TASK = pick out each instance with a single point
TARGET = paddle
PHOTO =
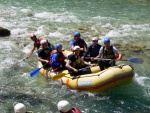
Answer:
(133, 60)
(58, 76)
(21, 60)
(36, 71)
(24, 58)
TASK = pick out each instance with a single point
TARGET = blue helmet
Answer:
(57, 45)
(77, 34)
(106, 40)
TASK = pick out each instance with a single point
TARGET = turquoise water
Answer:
(126, 22)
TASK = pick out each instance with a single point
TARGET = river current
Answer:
(126, 22)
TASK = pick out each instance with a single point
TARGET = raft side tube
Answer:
(101, 81)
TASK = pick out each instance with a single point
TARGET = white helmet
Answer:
(76, 48)
(20, 108)
(43, 42)
(63, 106)
(94, 38)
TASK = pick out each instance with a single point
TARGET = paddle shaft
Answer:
(89, 58)
(133, 60)
(111, 59)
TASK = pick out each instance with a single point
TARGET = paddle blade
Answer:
(59, 75)
(35, 72)
(136, 60)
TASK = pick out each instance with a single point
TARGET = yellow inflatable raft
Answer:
(100, 81)
(97, 81)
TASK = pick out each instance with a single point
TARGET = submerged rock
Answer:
(26, 12)
(4, 32)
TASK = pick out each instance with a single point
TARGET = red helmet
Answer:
(32, 36)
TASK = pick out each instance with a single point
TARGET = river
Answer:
(126, 22)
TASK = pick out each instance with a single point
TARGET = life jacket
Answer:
(61, 56)
(37, 44)
(94, 50)
(77, 62)
(46, 53)
(108, 53)
(75, 110)
(79, 43)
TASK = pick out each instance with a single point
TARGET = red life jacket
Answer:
(75, 110)
(37, 44)
(61, 56)
(79, 43)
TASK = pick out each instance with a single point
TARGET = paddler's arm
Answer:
(117, 53)
(42, 60)
(119, 56)
(70, 67)
(86, 63)
(32, 50)
(100, 53)
(72, 48)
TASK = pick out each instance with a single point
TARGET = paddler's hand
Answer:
(47, 61)
(92, 59)
(93, 65)
(75, 70)
(27, 57)
(82, 57)
(117, 59)
(81, 49)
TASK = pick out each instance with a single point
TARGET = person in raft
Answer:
(64, 107)
(37, 44)
(76, 65)
(108, 54)
(57, 58)
(44, 54)
(78, 41)
(93, 50)
(21, 108)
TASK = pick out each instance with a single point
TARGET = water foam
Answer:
(56, 34)
(19, 32)
(140, 80)
(59, 17)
